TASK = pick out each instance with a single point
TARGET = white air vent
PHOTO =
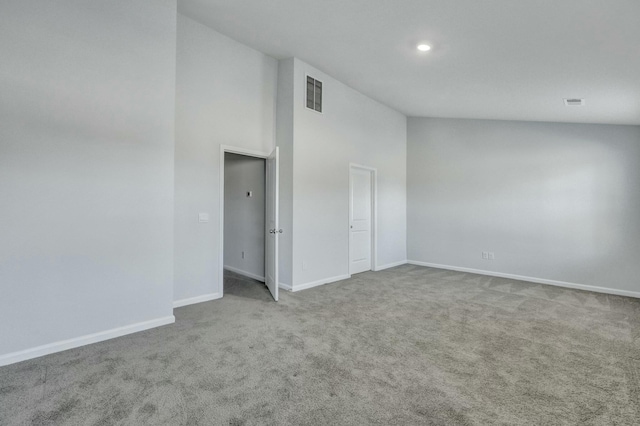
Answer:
(574, 102)
(314, 94)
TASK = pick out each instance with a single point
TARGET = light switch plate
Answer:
(203, 217)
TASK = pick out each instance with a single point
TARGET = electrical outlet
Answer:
(243, 255)
(492, 256)
(305, 265)
(485, 255)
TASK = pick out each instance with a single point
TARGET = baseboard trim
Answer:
(530, 279)
(390, 265)
(197, 299)
(320, 282)
(63, 345)
(284, 286)
(244, 273)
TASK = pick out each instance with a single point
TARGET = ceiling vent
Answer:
(314, 94)
(574, 102)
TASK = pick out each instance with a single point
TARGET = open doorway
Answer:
(249, 223)
(244, 225)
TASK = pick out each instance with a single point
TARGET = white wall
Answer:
(552, 201)
(352, 129)
(284, 140)
(244, 227)
(225, 94)
(86, 169)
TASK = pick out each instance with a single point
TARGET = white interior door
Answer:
(359, 221)
(272, 226)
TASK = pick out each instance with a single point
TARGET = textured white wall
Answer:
(552, 201)
(244, 228)
(352, 129)
(86, 167)
(225, 95)
(284, 140)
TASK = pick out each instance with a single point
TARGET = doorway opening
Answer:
(248, 223)
(244, 225)
(362, 219)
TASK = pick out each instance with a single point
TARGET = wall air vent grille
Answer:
(314, 94)
(573, 102)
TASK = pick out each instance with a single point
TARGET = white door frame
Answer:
(374, 215)
(233, 150)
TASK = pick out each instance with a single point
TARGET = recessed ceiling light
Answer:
(424, 47)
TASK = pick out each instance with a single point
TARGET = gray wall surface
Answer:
(244, 227)
(284, 140)
(86, 167)
(552, 201)
(225, 95)
(352, 129)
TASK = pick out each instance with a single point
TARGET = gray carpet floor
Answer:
(409, 345)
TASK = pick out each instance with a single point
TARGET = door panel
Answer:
(361, 246)
(272, 224)
(360, 221)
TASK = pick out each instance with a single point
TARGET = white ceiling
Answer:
(495, 59)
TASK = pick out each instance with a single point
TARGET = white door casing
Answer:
(360, 220)
(272, 224)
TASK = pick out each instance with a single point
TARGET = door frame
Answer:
(374, 215)
(232, 150)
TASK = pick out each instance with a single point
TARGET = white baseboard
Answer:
(320, 282)
(197, 299)
(284, 286)
(337, 278)
(390, 265)
(64, 345)
(530, 279)
(244, 273)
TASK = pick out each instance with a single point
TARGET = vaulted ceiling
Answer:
(492, 59)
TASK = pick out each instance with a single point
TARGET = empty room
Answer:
(289, 212)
